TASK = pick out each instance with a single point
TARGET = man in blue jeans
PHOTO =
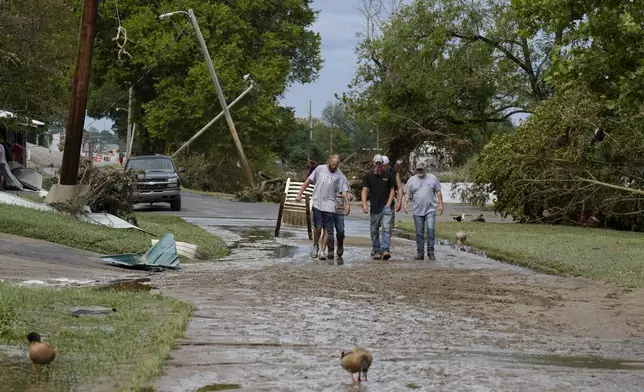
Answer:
(328, 181)
(342, 209)
(378, 185)
(425, 192)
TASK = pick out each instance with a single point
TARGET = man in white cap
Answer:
(398, 189)
(378, 185)
(425, 191)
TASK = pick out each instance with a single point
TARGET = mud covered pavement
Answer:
(268, 318)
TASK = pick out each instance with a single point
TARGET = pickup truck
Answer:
(158, 181)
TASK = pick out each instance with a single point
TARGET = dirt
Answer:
(269, 318)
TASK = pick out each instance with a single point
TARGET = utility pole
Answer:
(128, 143)
(78, 104)
(310, 121)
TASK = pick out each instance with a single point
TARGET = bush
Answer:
(539, 172)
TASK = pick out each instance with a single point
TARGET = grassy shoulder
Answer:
(220, 195)
(125, 349)
(607, 255)
(66, 230)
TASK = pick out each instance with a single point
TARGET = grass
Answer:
(221, 195)
(606, 255)
(126, 349)
(67, 230)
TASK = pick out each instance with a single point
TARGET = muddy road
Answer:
(268, 318)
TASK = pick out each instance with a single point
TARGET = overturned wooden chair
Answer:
(292, 212)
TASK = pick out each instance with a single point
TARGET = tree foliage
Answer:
(550, 169)
(447, 71)
(37, 49)
(174, 94)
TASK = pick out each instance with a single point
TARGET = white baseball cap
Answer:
(377, 158)
(385, 159)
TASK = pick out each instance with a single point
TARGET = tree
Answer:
(553, 168)
(446, 71)
(174, 96)
(37, 51)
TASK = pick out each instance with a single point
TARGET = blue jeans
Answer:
(338, 219)
(377, 220)
(422, 221)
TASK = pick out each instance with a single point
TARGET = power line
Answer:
(144, 74)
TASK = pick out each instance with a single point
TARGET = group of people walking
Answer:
(383, 188)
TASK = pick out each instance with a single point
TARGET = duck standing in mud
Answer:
(39, 353)
(357, 360)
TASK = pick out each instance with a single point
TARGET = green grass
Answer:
(607, 255)
(67, 230)
(124, 350)
(221, 195)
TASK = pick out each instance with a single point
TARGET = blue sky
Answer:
(338, 23)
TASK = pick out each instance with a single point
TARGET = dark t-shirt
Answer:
(379, 187)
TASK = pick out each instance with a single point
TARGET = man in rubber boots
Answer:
(328, 181)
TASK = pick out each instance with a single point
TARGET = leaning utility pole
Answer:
(222, 100)
(78, 104)
(128, 141)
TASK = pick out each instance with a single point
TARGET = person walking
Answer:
(342, 209)
(425, 191)
(328, 181)
(378, 185)
(396, 205)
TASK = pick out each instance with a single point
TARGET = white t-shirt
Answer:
(3, 156)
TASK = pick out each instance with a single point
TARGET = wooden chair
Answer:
(291, 211)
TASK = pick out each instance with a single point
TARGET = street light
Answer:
(220, 94)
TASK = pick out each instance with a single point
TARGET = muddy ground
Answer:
(270, 319)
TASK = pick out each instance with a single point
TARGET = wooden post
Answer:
(278, 225)
(78, 104)
(308, 217)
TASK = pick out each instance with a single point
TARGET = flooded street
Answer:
(268, 318)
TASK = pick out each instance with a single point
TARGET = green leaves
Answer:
(270, 40)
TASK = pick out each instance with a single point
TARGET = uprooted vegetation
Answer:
(111, 190)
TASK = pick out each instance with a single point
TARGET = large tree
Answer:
(554, 168)
(174, 94)
(448, 72)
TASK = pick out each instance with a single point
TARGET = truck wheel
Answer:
(176, 204)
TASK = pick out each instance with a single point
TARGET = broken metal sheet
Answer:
(108, 220)
(6, 198)
(29, 178)
(161, 256)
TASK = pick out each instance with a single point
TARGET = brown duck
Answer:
(357, 360)
(39, 353)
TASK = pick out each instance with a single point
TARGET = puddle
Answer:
(218, 387)
(584, 362)
(132, 285)
(17, 377)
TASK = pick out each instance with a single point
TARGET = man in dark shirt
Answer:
(379, 186)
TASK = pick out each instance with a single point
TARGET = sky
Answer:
(338, 23)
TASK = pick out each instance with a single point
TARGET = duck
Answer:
(459, 218)
(39, 353)
(461, 237)
(357, 360)
(479, 219)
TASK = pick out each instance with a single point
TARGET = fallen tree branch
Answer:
(613, 186)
